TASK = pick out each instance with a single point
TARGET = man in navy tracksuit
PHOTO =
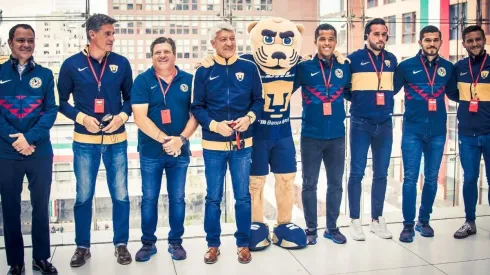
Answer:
(425, 78)
(27, 113)
(371, 125)
(227, 99)
(472, 76)
(322, 82)
(100, 82)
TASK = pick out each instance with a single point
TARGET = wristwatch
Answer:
(250, 118)
(184, 140)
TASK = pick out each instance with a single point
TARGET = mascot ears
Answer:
(250, 26)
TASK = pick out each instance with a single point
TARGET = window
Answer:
(389, 1)
(456, 12)
(210, 5)
(408, 33)
(391, 22)
(183, 5)
(372, 3)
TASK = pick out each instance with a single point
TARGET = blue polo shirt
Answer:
(146, 90)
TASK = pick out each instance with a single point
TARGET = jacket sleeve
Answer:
(257, 97)
(452, 90)
(6, 129)
(65, 89)
(198, 105)
(297, 78)
(348, 87)
(41, 128)
(126, 92)
(398, 79)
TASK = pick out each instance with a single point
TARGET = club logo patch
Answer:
(240, 76)
(484, 74)
(35, 82)
(113, 68)
(441, 72)
(339, 73)
(184, 88)
(388, 63)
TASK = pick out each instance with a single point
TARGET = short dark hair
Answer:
(429, 29)
(96, 21)
(375, 21)
(325, 27)
(24, 26)
(473, 28)
(161, 40)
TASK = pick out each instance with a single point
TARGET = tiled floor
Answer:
(425, 256)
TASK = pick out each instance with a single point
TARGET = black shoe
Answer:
(44, 267)
(123, 255)
(17, 270)
(468, 229)
(80, 257)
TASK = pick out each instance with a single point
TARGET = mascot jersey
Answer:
(274, 123)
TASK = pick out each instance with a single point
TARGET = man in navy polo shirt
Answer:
(322, 82)
(161, 101)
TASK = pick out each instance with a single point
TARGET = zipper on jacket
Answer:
(228, 89)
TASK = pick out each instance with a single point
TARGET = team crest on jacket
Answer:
(441, 72)
(113, 68)
(184, 88)
(484, 74)
(240, 76)
(388, 63)
(35, 82)
(339, 73)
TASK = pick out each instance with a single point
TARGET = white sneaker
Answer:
(356, 230)
(379, 228)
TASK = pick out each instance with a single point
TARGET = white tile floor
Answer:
(425, 256)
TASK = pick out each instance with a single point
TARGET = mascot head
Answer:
(275, 43)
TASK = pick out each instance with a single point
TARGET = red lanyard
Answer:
(475, 82)
(99, 80)
(380, 73)
(327, 83)
(164, 92)
(431, 81)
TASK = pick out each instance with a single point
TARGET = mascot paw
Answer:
(289, 236)
(340, 58)
(259, 236)
(207, 61)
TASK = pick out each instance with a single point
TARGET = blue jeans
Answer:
(151, 176)
(86, 162)
(413, 145)
(471, 149)
(215, 163)
(332, 152)
(380, 137)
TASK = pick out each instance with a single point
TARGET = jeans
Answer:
(86, 162)
(432, 147)
(215, 163)
(471, 148)
(380, 137)
(332, 152)
(151, 176)
(39, 175)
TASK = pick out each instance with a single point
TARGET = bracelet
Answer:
(184, 140)
(158, 136)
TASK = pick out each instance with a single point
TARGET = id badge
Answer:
(380, 99)
(99, 106)
(474, 106)
(327, 109)
(432, 105)
(166, 117)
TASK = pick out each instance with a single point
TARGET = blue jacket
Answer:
(77, 78)
(309, 77)
(278, 89)
(28, 106)
(470, 123)
(411, 75)
(228, 90)
(364, 85)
